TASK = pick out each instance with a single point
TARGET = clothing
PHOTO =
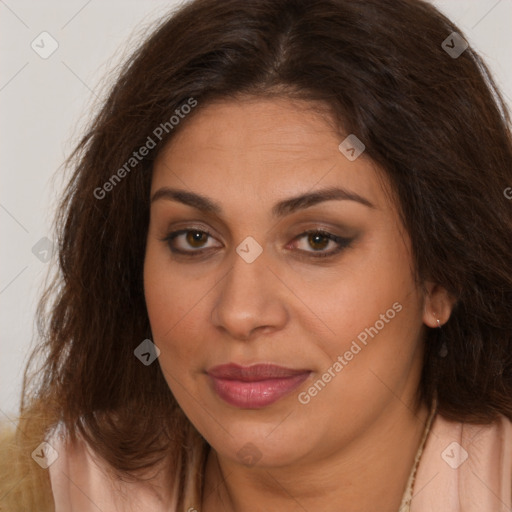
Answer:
(448, 481)
(445, 481)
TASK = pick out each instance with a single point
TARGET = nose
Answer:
(250, 299)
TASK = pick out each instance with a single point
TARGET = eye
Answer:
(195, 238)
(192, 242)
(318, 240)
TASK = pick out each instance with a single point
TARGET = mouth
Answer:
(256, 386)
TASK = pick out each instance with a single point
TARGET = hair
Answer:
(437, 126)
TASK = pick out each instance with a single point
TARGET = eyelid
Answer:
(174, 234)
(340, 241)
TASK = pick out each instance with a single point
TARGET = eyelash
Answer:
(342, 243)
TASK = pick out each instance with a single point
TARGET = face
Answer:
(238, 271)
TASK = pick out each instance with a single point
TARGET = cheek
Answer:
(173, 304)
(177, 308)
(366, 286)
(373, 310)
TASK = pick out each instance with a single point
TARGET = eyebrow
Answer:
(280, 209)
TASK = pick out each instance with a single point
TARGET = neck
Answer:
(369, 474)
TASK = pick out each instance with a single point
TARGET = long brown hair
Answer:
(435, 123)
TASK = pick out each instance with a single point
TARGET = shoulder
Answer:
(486, 447)
(24, 484)
(489, 442)
(465, 463)
(56, 473)
(82, 480)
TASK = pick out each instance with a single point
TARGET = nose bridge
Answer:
(249, 294)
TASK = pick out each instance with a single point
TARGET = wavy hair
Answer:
(436, 125)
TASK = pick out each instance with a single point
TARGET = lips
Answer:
(256, 386)
(253, 373)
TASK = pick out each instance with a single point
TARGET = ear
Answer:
(438, 305)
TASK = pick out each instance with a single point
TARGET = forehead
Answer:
(265, 147)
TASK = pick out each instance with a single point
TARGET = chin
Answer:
(252, 445)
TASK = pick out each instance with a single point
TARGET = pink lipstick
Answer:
(256, 386)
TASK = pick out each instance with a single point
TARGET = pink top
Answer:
(462, 468)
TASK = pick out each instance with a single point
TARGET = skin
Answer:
(355, 441)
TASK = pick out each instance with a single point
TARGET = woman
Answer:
(285, 274)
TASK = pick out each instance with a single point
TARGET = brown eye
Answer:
(192, 242)
(188, 241)
(196, 238)
(317, 241)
